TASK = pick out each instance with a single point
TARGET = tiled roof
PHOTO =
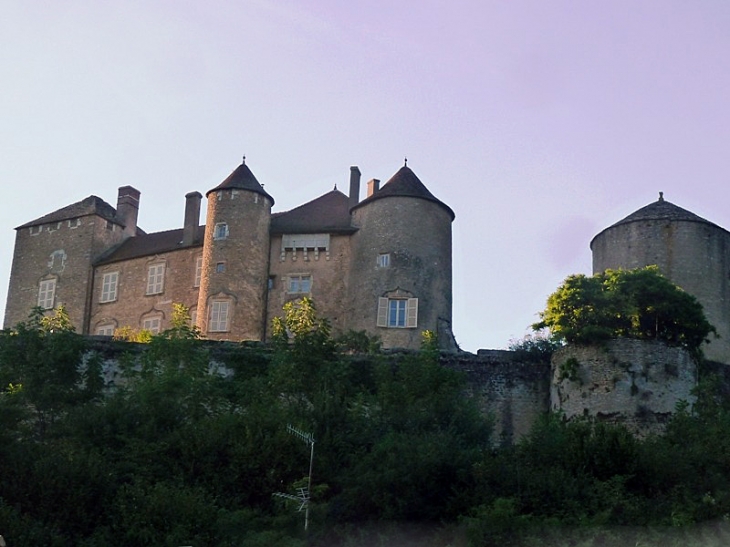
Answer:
(405, 183)
(328, 213)
(150, 244)
(92, 205)
(242, 179)
(659, 210)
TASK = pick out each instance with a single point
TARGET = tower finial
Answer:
(661, 196)
(244, 159)
(405, 162)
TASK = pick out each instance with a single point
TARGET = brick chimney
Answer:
(373, 186)
(354, 186)
(128, 209)
(192, 217)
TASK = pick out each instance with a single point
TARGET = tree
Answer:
(639, 303)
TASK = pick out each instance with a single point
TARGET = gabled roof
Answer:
(659, 210)
(92, 205)
(151, 244)
(242, 179)
(328, 213)
(405, 183)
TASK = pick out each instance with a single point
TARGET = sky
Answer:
(539, 123)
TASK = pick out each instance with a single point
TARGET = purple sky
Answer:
(540, 123)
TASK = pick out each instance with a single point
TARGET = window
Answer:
(35, 230)
(109, 287)
(397, 313)
(193, 316)
(300, 283)
(46, 293)
(57, 261)
(220, 267)
(74, 223)
(218, 316)
(155, 278)
(383, 260)
(152, 324)
(198, 271)
(221, 231)
(105, 330)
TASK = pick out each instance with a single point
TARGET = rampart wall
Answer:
(631, 382)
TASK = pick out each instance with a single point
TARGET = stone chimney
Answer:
(373, 186)
(192, 217)
(128, 209)
(354, 186)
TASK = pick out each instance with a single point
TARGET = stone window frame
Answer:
(383, 260)
(156, 278)
(198, 275)
(109, 288)
(397, 311)
(297, 282)
(47, 293)
(35, 230)
(105, 329)
(219, 317)
(152, 322)
(220, 231)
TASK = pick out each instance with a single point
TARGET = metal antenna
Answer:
(304, 494)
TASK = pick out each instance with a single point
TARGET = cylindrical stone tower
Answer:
(400, 274)
(689, 250)
(234, 277)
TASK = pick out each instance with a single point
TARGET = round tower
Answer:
(689, 250)
(234, 275)
(400, 275)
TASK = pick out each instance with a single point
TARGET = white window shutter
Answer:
(412, 313)
(382, 312)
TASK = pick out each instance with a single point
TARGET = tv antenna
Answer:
(303, 494)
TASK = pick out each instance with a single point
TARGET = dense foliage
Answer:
(638, 303)
(183, 454)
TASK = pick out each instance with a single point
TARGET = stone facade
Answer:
(636, 383)
(382, 265)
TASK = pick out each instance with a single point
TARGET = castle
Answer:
(381, 265)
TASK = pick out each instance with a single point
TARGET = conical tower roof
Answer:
(659, 210)
(242, 179)
(405, 183)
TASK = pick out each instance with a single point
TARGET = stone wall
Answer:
(62, 251)
(636, 383)
(132, 303)
(630, 382)
(329, 275)
(510, 390)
